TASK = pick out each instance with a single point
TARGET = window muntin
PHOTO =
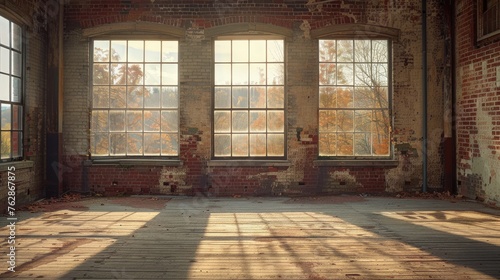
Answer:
(11, 90)
(135, 93)
(354, 92)
(249, 99)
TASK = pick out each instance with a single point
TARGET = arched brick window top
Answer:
(248, 29)
(134, 28)
(356, 30)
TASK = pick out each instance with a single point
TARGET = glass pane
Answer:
(117, 144)
(116, 121)
(363, 74)
(134, 121)
(101, 51)
(117, 97)
(362, 120)
(380, 51)
(4, 60)
(135, 51)
(100, 144)
(257, 74)
(240, 97)
(119, 51)
(257, 121)
(170, 51)
(6, 114)
(135, 97)
(345, 120)
(345, 74)
(275, 145)
(169, 121)
(380, 122)
(362, 51)
(17, 117)
(327, 51)
(240, 145)
(344, 97)
(169, 74)
(151, 97)
(222, 97)
(16, 89)
(258, 145)
(135, 74)
(275, 74)
(327, 144)
(257, 50)
(275, 121)
(222, 51)
(222, 121)
(240, 74)
(222, 145)
(17, 146)
(134, 144)
(100, 121)
(240, 51)
(257, 97)
(345, 51)
(153, 52)
(100, 97)
(169, 144)
(381, 144)
(169, 97)
(222, 74)
(4, 31)
(327, 121)
(240, 121)
(4, 87)
(380, 75)
(118, 74)
(345, 144)
(101, 74)
(152, 121)
(152, 144)
(275, 51)
(327, 73)
(327, 97)
(362, 144)
(6, 146)
(381, 97)
(364, 97)
(152, 74)
(275, 97)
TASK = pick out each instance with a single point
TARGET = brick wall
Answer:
(478, 109)
(302, 175)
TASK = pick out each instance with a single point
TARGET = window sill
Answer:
(257, 163)
(132, 162)
(24, 164)
(357, 163)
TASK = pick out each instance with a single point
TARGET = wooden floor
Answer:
(257, 238)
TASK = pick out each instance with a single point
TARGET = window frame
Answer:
(390, 88)
(22, 94)
(249, 158)
(134, 157)
(483, 38)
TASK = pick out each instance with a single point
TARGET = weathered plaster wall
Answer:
(478, 109)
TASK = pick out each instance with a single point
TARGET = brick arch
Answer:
(132, 27)
(356, 29)
(248, 28)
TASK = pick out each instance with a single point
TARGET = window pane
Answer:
(17, 117)
(135, 51)
(4, 60)
(362, 120)
(362, 144)
(118, 74)
(258, 121)
(381, 97)
(17, 141)
(345, 74)
(222, 121)
(6, 114)
(257, 97)
(100, 121)
(327, 97)
(240, 51)
(327, 51)
(327, 144)
(240, 74)
(135, 74)
(100, 144)
(344, 97)
(222, 51)
(135, 97)
(134, 144)
(257, 50)
(169, 144)
(118, 51)
(16, 89)
(240, 145)
(134, 121)
(101, 74)
(275, 97)
(275, 74)
(380, 74)
(117, 144)
(240, 121)
(275, 51)
(223, 74)
(345, 51)
(380, 51)
(257, 73)
(363, 74)
(152, 144)
(275, 121)
(169, 121)
(222, 97)
(101, 51)
(327, 120)
(327, 73)
(258, 145)
(222, 144)
(151, 97)
(153, 51)
(4, 31)
(240, 97)
(6, 146)
(152, 121)
(275, 145)
(16, 64)
(100, 97)
(170, 51)
(117, 121)
(117, 97)
(381, 143)
(345, 120)
(152, 74)
(169, 97)
(169, 74)
(364, 97)
(4, 87)
(362, 51)
(345, 144)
